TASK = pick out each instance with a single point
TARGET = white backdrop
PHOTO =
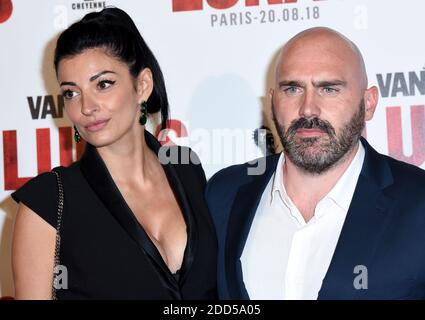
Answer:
(217, 58)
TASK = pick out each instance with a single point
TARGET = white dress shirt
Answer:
(286, 258)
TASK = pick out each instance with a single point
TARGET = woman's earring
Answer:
(77, 137)
(144, 113)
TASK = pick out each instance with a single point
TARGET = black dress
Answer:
(107, 253)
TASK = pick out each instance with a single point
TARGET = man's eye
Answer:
(330, 90)
(105, 84)
(292, 90)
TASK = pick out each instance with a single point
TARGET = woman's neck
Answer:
(130, 160)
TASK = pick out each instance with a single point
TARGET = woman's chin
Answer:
(99, 142)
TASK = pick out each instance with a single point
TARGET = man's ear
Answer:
(271, 92)
(144, 85)
(371, 101)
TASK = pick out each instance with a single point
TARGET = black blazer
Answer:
(383, 230)
(107, 253)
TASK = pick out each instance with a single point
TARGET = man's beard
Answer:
(316, 155)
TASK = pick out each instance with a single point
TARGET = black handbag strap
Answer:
(58, 236)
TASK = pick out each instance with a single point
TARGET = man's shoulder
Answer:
(406, 174)
(407, 180)
(403, 175)
(237, 175)
(223, 187)
(406, 191)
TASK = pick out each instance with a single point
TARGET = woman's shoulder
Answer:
(41, 183)
(186, 162)
(46, 180)
(178, 155)
(40, 193)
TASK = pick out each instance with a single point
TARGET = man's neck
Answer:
(306, 189)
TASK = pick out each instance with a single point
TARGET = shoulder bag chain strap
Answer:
(58, 228)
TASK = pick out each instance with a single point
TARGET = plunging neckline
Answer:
(99, 178)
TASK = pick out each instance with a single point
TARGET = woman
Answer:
(132, 227)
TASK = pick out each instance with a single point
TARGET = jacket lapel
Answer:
(176, 181)
(360, 234)
(242, 214)
(100, 180)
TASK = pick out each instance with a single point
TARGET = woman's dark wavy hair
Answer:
(114, 30)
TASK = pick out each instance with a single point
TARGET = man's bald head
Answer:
(321, 101)
(323, 41)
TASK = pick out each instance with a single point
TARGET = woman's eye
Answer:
(105, 84)
(69, 94)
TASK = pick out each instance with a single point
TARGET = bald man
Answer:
(330, 218)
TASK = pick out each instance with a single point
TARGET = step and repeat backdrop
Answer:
(217, 57)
